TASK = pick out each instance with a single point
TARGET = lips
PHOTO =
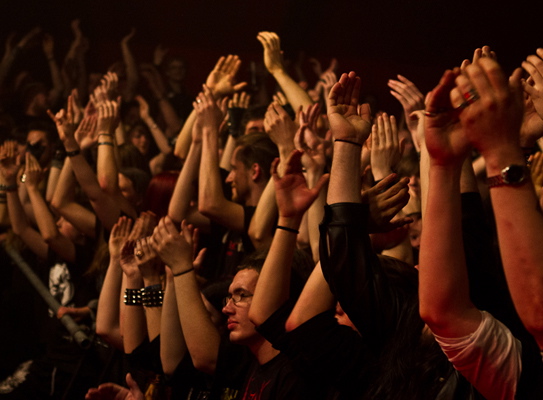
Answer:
(231, 324)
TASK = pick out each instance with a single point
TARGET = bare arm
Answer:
(201, 336)
(293, 199)
(47, 226)
(132, 76)
(296, 96)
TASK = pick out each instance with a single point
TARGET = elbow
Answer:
(259, 239)
(434, 317)
(292, 323)
(169, 364)
(255, 317)
(207, 365)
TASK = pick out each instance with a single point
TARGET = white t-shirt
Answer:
(489, 358)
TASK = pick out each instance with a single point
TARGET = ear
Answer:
(256, 172)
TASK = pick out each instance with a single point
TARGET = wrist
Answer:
(498, 160)
(290, 222)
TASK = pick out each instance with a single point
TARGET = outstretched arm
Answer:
(495, 132)
(201, 336)
(211, 200)
(296, 96)
(293, 199)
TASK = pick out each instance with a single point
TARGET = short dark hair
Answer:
(257, 148)
(302, 265)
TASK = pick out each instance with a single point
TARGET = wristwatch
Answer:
(512, 175)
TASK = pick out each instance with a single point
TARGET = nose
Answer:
(228, 308)
(230, 177)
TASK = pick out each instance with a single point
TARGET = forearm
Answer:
(296, 96)
(315, 215)
(261, 226)
(227, 153)
(172, 342)
(132, 76)
(160, 139)
(201, 336)
(56, 78)
(184, 139)
(445, 303)
(344, 186)
(272, 288)
(315, 298)
(52, 182)
(184, 188)
(173, 122)
(519, 223)
(134, 329)
(210, 193)
(108, 313)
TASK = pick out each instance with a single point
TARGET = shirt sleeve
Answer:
(489, 358)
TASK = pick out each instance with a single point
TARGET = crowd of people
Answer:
(248, 244)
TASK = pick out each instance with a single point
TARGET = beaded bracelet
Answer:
(132, 297)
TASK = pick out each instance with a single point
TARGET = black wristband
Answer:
(288, 229)
(348, 141)
(184, 272)
(73, 153)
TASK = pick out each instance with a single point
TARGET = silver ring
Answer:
(198, 101)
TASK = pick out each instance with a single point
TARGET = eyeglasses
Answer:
(238, 299)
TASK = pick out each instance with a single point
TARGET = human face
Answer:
(242, 330)
(176, 71)
(239, 179)
(41, 148)
(415, 231)
(139, 139)
(256, 125)
(127, 190)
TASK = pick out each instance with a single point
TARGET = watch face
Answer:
(514, 174)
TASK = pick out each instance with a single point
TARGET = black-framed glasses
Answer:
(238, 299)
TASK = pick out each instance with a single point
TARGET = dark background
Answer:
(379, 39)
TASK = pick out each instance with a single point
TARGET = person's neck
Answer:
(263, 351)
(255, 194)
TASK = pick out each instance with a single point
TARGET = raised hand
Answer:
(491, 120)
(386, 148)
(221, 79)
(119, 235)
(306, 139)
(65, 121)
(127, 38)
(444, 135)
(280, 127)
(86, 133)
(409, 97)
(173, 248)
(534, 86)
(144, 108)
(129, 263)
(8, 161)
(348, 120)
(112, 391)
(273, 58)
(386, 199)
(147, 260)
(33, 171)
(209, 113)
(291, 191)
(479, 53)
(48, 45)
